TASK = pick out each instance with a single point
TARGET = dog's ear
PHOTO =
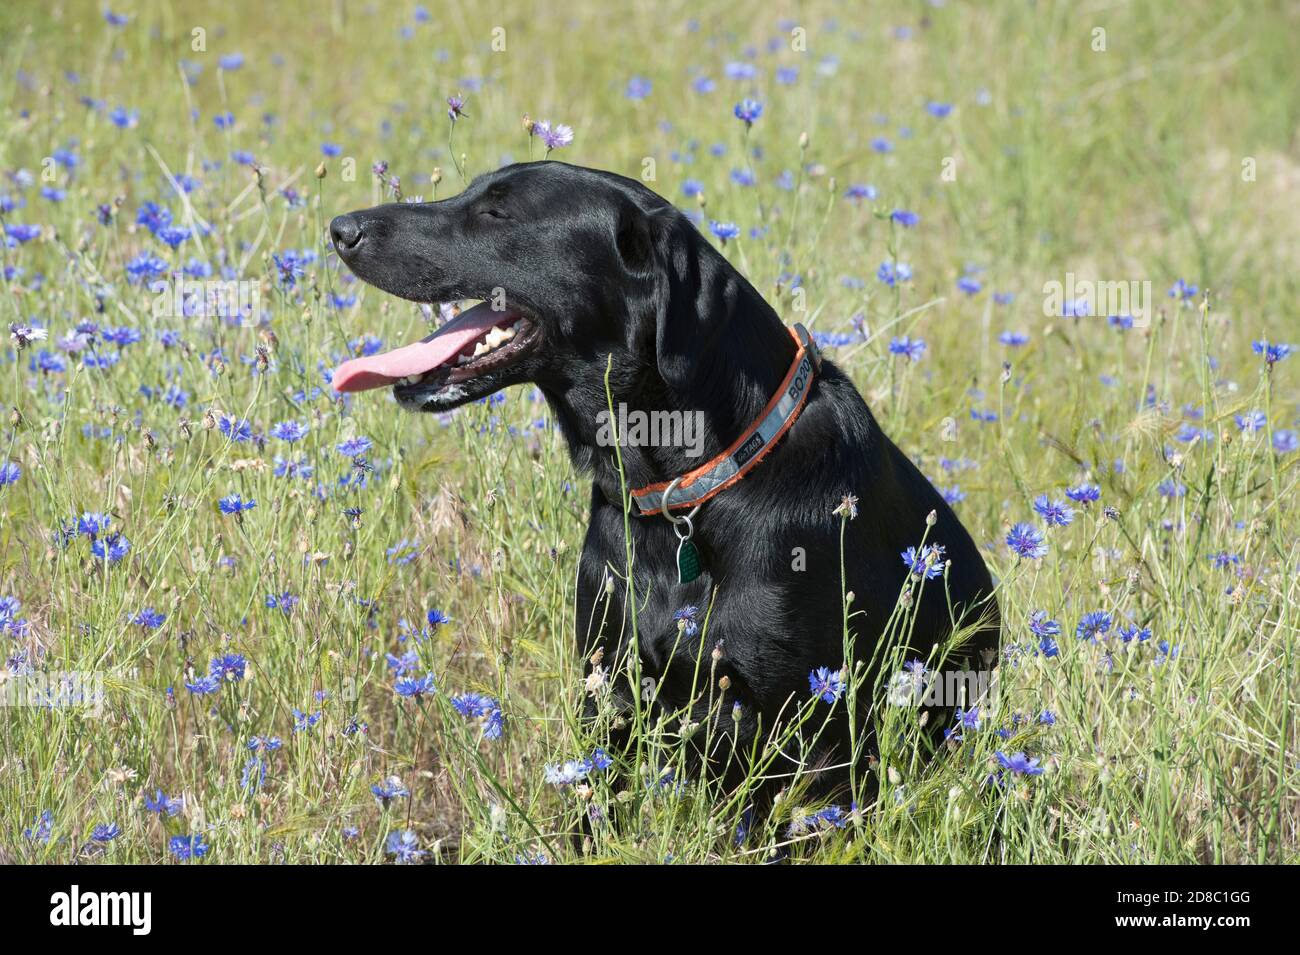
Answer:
(695, 294)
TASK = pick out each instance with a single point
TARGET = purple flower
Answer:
(926, 562)
(638, 87)
(913, 348)
(1273, 352)
(477, 706)
(404, 847)
(235, 504)
(724, 230)
(826, 683)
(186, 848)
(455, 109)
(416, 688)
(747, 111)
(1093, 625)
(553, 137)
(1053, 513)
(1027, 541)
(1083, 494)
(1019, 764)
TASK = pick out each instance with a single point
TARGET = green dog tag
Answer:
(688, 562)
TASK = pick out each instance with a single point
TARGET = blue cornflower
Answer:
(724, 230)
(388, 790)
(687, 620)
(230, 666)
(304, 721)
(289, 431)
(173, 235)
(163, 804)
(404, 847)
(938, 110)
(826, 683)
(1019, 764)
(967, 719)
(1083, 494)
(1285, 441)
(861, 190)
(149, 618)
(185, 848)
(91, 524)
(231, 62)
(437, 618)
(112, 548)
(1183, 291)
(1093, 625)
(105, 832)
(748, 110)
(638, 87)
(1171, 488)
(891, 273)
(40, 830)
(354, 447)
(1027, 541)
(1129, 632)
(1043, 626)
(1013, 339)
(1251, 421)
(236, 429)
(477, 706)
(235, 504)
(926, 562)
(905, 217)
(1053, 513)
(284, 602)
(331, 149)
(9, 473)
(416, 688)
(913, 348)
(970, 286)
(203, 685)
(1273, 352)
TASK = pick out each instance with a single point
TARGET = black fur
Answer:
(606, 267)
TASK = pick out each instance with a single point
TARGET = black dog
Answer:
(575, 266)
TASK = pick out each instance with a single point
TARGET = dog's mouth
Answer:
(477, 344)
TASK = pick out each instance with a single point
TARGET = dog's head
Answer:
(571, 265)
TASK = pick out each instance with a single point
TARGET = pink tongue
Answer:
(375, 371)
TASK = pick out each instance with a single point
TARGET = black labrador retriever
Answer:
(576, 265)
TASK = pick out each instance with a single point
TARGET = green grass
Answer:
(1122, 164)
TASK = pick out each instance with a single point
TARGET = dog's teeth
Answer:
(507, 334)
(462, 359)
(481, 349)
(494, 338)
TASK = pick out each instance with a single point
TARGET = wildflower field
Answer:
(247, 619)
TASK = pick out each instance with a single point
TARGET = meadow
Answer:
(246, 619)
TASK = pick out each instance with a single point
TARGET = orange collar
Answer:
(695, 487)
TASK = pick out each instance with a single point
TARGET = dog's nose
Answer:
(345, 231)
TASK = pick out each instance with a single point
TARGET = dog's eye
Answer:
(494, 213)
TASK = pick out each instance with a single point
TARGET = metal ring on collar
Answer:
(663, 506)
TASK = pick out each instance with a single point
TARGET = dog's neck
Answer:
(733, 383)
